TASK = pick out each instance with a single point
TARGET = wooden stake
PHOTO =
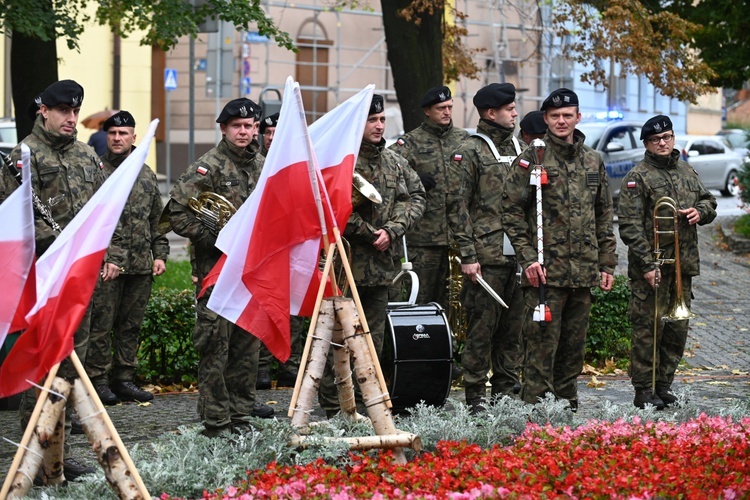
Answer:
(110, 426)
(318, 352)
(28, 431)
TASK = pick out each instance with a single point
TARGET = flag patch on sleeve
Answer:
(458, 157)
(524, 163)
(400, 142)
(631, 184)
(202, 170)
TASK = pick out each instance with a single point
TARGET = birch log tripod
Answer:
(46, 448)
(340, 323)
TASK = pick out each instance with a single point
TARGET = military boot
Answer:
(262, 411)
(73, 469)
(106, 396)
(263, 381)
(666, 395)
(128, 391)
(286, 379)
(644, 396)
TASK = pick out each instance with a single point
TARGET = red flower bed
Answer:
(708, 457)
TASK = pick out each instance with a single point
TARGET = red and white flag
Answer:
(17, 251)
(66, 277)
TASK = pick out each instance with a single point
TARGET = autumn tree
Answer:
(36, 25)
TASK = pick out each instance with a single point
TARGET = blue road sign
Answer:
(170, 79)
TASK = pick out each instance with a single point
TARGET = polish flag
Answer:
(17, 252)
(66, 276)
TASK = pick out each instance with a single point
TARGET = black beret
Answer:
(377, 105)
(119, 119)
(63, 92)
(533, 123)
(269, 121)
(435, 95)
(495, 95)
(238, 108)
(33, 108)
(560, 98)
(656, 125)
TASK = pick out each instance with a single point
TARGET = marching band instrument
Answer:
(486, 286)
(213, 210)
(679, 310)
(455, 313)
(39, 206)
(363, 190)
(542, 314)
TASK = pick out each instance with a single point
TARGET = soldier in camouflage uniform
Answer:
(65, 174)
(476, 176)
(137, 251)
(661, 173)
(428, 150)
(579, 248)
(374, 229)
(228, 364)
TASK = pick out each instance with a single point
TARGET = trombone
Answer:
(679, 310)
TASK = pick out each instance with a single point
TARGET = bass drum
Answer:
(417, 355)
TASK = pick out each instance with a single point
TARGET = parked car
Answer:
(714, 159)
(620, 146)
(737, 138)
(8, 131)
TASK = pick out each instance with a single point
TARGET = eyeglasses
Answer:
(656, 140)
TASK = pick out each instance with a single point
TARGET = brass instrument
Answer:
(39, 206)
(363, 190)
(678, 310)
(456, 315)
(213, 210)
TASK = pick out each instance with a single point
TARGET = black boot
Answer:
(476, 405)
(128, 391)
(666, 395)
(263, 381)
(106, 395)
(286, 379)
(75, 424)
(262, 411)
(73, 469)
(647, 396)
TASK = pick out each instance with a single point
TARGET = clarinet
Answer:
(39, 206)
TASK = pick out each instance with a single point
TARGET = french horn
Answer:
(213, 210)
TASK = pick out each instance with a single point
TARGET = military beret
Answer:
(63, 92)
(435, 95)
(119, 119)
(656, 125)
(495, 95)
(377, 105)
(33, 108)
(560, 98)
(533, 123)
(269, 121)
(238, 108)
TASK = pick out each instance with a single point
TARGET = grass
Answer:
(742, 225)
(177, 277)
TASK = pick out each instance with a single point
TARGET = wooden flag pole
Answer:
(327, 269)
(110, 426)
(360, 311)
(28, 431)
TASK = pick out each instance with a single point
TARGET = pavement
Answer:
(716, 367)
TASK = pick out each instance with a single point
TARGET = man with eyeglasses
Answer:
(661, 173)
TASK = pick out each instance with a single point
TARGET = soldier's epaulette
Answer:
(202, 169)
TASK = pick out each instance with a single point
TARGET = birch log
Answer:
(319, 347)
(366, 372)
(48, 424)
(107, 454)
(52, 463)
(342, 370)
(366, 442)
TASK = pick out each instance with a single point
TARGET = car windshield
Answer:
(736, 140)
(593, 133)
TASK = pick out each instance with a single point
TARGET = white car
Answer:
(714, 159)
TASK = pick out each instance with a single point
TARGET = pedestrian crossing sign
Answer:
(170, 79)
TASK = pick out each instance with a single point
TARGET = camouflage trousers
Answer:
(431, 266)
(298, 335)
(227, 369)
(671, 336)
(66, 371)
(493, 333)
(118, 308)
(374, 302)
(554, 353)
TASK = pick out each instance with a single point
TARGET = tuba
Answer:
(213, 210)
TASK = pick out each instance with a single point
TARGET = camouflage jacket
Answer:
(403, 204)
(226, 170)
(428, 150)
(137, 241)
(477, 180)
(579, 242)
(649, 180)
(65, 174)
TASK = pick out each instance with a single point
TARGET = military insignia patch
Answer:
(631, 184)
(524, 163)
(458, 157)
(101, 165)
(202, 170)
(400, 142)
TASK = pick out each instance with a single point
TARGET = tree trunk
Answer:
(342, 370)
(416, 57)
(33, 67)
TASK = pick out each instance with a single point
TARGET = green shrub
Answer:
(177, 277)
(166, 353)
(742, 225)
(609, 325)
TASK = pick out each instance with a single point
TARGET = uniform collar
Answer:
(494, 131)
(54, 140)
(435, 129)
(238, 155)
(369, 150)
(563, 148)
(116, 159)
(664, 162)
